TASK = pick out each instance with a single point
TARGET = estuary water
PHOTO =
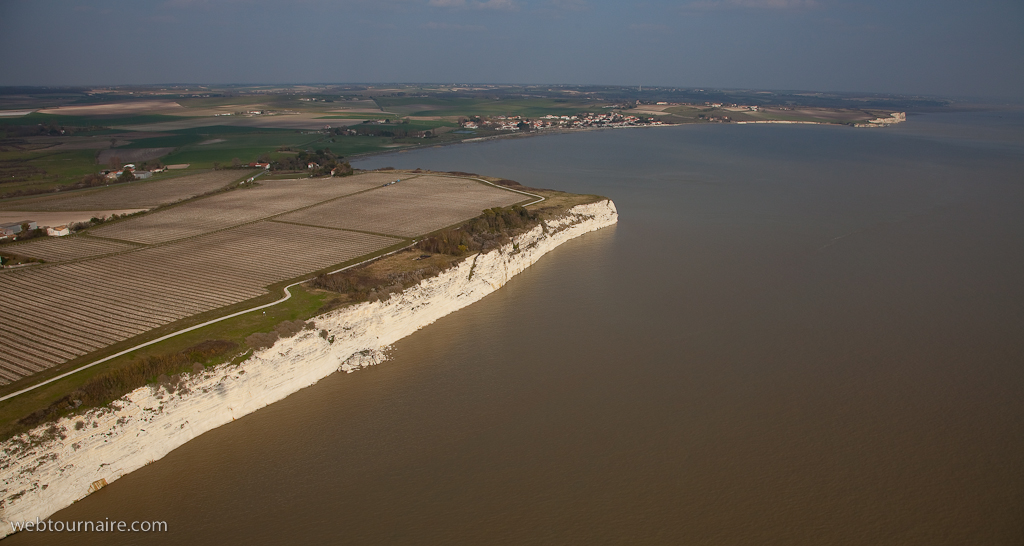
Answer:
(795, 335)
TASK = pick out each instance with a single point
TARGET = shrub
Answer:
(290, 328)
(491, 229)
(113, 384)
(261, 340)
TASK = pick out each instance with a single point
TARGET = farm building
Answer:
(14, 228)
(58, 231)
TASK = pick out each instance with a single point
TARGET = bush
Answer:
(290, 328)
(365, 284)
(491, 229)
(113, 384)
(261, 340)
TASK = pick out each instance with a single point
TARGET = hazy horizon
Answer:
(906, 47)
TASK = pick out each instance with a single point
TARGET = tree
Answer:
(114, 162)
(236, 163)
(126, 176)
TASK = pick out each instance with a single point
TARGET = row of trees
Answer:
(325, 161)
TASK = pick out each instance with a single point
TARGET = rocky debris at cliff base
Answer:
(363, 359)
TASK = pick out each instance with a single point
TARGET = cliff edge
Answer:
(61, 462)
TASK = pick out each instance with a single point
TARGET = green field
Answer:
(85, 121)
(430, 106)
(27, 166)
(20, 170)
(245, 146)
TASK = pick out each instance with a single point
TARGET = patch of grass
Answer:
(40, 170)
(245, 146)
(173, 141)
(303, 305)
(529, 107)
(344, 146)
(210, 130)
(377, 279)
(113, 383)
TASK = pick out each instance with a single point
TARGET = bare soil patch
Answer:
(115, 108)
(132, 155)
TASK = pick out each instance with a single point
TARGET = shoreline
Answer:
(61, 462)
(511, 135)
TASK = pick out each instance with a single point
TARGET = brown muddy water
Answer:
(795, 335)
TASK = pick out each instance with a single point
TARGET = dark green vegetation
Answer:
(105, 387)
(373, 282)
(491, 229)
(210, 127)
(146, 366)
(161, 362)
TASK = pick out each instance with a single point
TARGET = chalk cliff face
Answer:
(61, 462)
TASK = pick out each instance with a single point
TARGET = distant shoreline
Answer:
(546, 132)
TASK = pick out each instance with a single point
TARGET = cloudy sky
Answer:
(941, 47)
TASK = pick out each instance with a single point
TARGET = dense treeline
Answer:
(489, 230)
(325, 161)
(369, 284)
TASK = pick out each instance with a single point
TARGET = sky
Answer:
(953, 48)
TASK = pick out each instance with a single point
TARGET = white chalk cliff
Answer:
(83, 453)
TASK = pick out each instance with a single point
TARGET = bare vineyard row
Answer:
(62, 249)
(233, 208)
(409, 208)
(109, 299)
(135, 195)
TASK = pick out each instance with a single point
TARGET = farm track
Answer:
(233, 208)
(61, 311)
(409, 208)
(65, 249)
(130, 293)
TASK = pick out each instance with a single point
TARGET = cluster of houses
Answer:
(111, 174)
(581, 121)
(13, 229)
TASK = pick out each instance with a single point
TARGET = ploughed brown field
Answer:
(131, 155)
(123, 279)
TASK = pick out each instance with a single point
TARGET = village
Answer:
(581, 121)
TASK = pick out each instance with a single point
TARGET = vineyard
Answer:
(233, 208)
(134, 195)
(411, 207)
(63, 249)
(52, 314)
(209, 253)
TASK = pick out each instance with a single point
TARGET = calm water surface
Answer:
(795, 335)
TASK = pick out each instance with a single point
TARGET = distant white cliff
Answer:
(59, 463)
